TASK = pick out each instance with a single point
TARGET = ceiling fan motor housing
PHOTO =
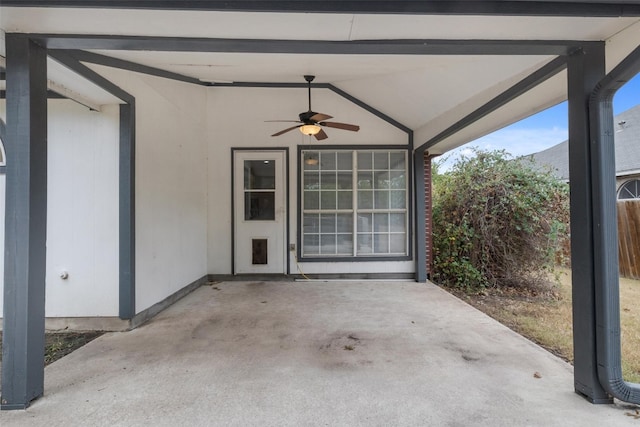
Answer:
(305, 117)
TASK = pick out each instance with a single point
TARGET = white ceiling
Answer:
(426, 93)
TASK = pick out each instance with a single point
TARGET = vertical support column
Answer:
(419, 218)
(25, 223)
(585, 69)
(127, 212)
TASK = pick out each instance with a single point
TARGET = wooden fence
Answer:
(629, 238)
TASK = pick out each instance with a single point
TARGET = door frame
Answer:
(287, 226)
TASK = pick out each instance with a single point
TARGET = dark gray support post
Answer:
(127, 211)
(420, 227)
(25, 223)
(585, 69)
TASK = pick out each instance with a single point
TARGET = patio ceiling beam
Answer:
(496, 7)
(109, 61)
(328, 47)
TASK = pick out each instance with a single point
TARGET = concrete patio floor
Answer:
(314, 354)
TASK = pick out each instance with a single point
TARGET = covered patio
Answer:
(315, 353)
(142, 159)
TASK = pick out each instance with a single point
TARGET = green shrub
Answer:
(496, 222)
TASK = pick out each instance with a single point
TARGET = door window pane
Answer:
(259, 206)
(259, 174)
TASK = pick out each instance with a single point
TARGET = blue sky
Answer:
(541, 130)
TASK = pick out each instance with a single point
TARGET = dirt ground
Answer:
(59, 344)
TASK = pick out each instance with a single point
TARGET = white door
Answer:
(259, 212)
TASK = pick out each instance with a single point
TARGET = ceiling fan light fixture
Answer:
(310, 129)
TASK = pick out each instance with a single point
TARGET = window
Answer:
(354, 203)
(629, 190)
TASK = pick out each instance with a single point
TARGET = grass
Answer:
(546, 318)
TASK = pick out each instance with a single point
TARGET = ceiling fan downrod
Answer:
(309, 79)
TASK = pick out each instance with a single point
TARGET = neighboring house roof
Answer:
(627, 141)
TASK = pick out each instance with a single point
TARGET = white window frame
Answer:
(356, 233)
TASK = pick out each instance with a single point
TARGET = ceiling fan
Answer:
(311, 123)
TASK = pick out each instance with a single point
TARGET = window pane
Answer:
(327, 200)
(381, 243)
(364, 244)
(328, 160)
(345, 162)
(397, 222)
(327, 243)
(382, 199)
(345, 244)
(365, 199)
(344, 223)
(381, 160)
(398, 199)
(259, 206)
(365, 223)
(365, 180)
(311, 181)
(311, 199)
(328, 180)
(397, 243)
(328, 223)
(396, 180)
(381, 180)
(380, 222)
(345, 180)
(311, 160)
(345, 200)
(311, 223)
(311, 244)
(364, 160)
(397, 160)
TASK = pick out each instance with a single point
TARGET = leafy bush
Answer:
(497, 222)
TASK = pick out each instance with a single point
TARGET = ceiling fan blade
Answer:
(320, 116)
(343, 126)
(286, 130)
(321, 135)
(282, 121)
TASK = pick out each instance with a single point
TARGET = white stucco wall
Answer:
(184, 136)
(171, 183)
(236, 118)
(82, 211)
